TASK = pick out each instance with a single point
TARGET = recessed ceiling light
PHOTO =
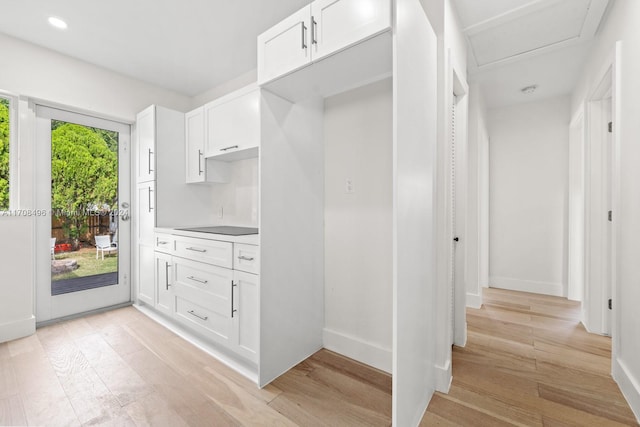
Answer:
(57, 22)
(529, 89)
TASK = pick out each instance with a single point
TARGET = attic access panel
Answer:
(536, 27)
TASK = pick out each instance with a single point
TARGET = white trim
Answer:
(474, 300)
(522, 285)
(358, 349)
(18, 329)
(207, 347)
(629, 385)
(444, 377)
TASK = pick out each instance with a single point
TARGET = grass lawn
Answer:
(88, 265)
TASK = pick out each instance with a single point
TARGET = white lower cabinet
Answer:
(246, 314)
(146, 287)
(196, 285)
(164, 301)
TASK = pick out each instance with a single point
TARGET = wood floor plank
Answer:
(12, 411)
(376, 378)
(617, 411)
(534, 366)
(464, 414)
(152, 410)
(323, 403)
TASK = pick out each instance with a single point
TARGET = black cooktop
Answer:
(224, 229)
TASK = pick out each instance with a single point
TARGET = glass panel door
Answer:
(83, 182)
(84, 207)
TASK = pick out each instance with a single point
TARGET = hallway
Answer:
(529, 361)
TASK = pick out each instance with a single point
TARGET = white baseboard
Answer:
(474, 300)
(19, 329)
(629, 385)
(444, 377)
(546, 288)
(357, 349)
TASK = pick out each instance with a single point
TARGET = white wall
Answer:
(622, 25)
(36, 72)
(528, 196)
(477, 239)
(358, 239)
(40, 73)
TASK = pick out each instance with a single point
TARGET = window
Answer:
(5, 145)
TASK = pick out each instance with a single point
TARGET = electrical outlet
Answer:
(348, 186)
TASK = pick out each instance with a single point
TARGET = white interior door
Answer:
(84, 286)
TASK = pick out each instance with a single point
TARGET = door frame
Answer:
(47, 307)
(600, 196)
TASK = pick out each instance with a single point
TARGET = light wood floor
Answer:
(527, 362)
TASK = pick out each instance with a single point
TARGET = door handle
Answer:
(166, 274)
(304, 35)
(149, 160)
(200, 162)
(314, 31)
(233, 309)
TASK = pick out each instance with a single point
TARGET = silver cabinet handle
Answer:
(229, 148)
(166, 274)
(304, 36)
(246, 258)
(149, 160)
(191, 248)
(150, 207)
(314, 33)
(193, 313)
(233, 309)
(200, 162)
(162, 242)
(195, 279)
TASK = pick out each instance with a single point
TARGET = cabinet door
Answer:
(284, 47)
(233, 123)
(164, 300)
(145, 212)
(146, 280)
(194, 129)
(337, 24)
(145, 137)
(246, 314)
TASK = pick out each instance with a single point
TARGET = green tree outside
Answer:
(4, 154)
(84, 174)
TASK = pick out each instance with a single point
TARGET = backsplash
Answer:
(236, 202)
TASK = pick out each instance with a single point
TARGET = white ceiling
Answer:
(188, 46)
(517, 43)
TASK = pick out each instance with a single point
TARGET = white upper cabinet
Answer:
(232, 125)
(146, 136)
(337, 24)
(285, 46)
(194, 129)
(321, 29)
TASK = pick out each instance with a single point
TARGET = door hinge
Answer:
(610, 304)
(610, 127)
(610, 216)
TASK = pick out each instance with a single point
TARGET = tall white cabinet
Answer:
(341, 45)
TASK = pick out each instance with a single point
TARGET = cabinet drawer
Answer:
(210, 251)
(210, 323)
(203, 282)
(164, 243)
(246, 258)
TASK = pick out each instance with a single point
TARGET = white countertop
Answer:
(251, 239)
